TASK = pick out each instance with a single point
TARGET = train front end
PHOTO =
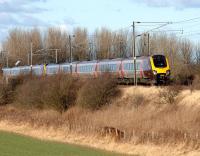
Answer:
(160, 69)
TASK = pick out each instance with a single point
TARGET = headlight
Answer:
(168, 72)
(154, 72)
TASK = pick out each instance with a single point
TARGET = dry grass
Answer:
(169, 94)
(146, 122)
(140, 115)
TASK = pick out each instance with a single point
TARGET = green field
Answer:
(17, 145)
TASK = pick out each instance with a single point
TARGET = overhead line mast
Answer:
(134, 37)
(134, 56)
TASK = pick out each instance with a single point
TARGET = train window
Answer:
(15, 71)
(159, 61)
(113, 67)
(52, 70)
(6, 72)
(138, 66)
(130, 66)
(146, 65)
(25, 70)
(37, 71)
(86, 68)
(66, 69)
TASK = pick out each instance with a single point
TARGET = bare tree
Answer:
(119, 44)
(80, 44)
(197, 54)
(55, 38)
(142, 46)
(186, 51)
(103, 43)
(18, 45)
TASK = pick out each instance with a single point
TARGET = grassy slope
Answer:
(16, 145)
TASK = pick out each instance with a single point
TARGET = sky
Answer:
(93, 14)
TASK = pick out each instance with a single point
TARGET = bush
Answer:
(7, 90)
(56, 92)
(60, 92)
(30, 93)
(6, 94)
(196, 83)
(169, 94)
(137, 100)
(16, 81)
(98, 92)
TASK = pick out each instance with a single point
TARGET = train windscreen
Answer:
(159, 61)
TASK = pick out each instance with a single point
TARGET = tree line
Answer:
(103, 43)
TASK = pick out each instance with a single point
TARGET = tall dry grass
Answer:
(150, 121)
(138, 115)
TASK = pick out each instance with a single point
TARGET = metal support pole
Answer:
(90, 51)
(149, 44)
(7, 60)
(70, 48)
(56, 56)
(31, 56)
(134, 56)
(28, 59)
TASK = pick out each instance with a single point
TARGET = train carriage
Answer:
(111, 66)
(149, 69)
(6, 72)
(39, 70)
(52, 69)
(65, 68)
(87, 68)
(128, 69)
(160, 68)
(25, 70)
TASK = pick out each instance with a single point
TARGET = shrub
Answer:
(17, 81)
(97, 92)
(56, 92)
(60, 92)
(137, 100)
(7, 90)
(30, 93)
(6, 94)
(196, 83)
(169, 94)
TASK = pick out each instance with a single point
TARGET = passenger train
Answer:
(149, 69)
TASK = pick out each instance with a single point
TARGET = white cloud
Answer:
(172, 3)
(19, 13)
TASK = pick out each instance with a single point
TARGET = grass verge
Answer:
(13, 144)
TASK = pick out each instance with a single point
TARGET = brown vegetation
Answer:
(98, 92)
(140, 115)
(7, 90)
(57, 92)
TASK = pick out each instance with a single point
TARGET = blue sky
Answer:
(92, 14)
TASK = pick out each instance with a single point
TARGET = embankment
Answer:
(144, 120)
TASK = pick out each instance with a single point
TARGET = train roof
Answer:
(83, 62)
